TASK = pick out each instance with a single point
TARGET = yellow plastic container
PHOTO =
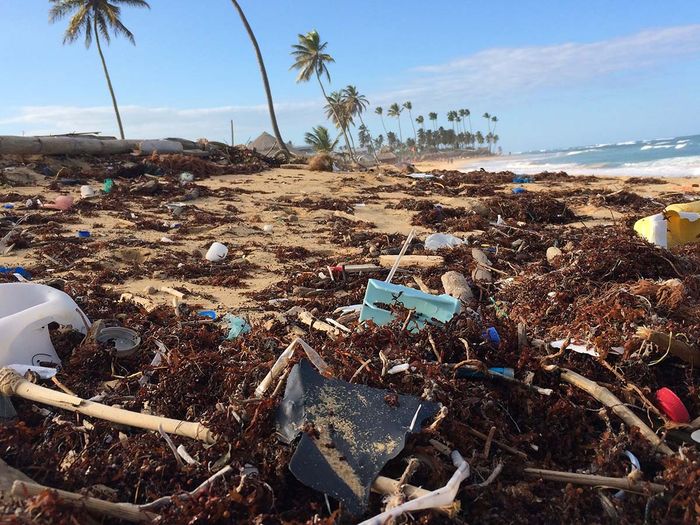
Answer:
(677, 224)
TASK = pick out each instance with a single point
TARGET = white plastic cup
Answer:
(217, 252)
(86, 192)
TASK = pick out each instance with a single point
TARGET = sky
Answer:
(557, 73)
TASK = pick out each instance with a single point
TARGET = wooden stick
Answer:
(595, 481)
(124, 511)
(308, 319)
(610, 400)
(421, 261)
(499, 444)
(676, 347)
(11, 383)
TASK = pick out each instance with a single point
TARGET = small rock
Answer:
(552, 253)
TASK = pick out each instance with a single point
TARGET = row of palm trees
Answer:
(96, 18)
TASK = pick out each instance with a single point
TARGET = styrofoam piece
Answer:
(426, 307)
(217, 252)
(26, 310)
(435, 241)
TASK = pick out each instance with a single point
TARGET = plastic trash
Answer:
(435, 241)
(217, 252)
(236, 326)
(268, 228)
(519, 190)
(186, 177)
(520, 179)
(211, 314)
(426, 307)
(695, 436)
(491, 336)
(18, 270)
(8, 206)
(672, 406)
(83, 234)
(87, 191)
(635, 466)
(25, 313)
(358, 432)
(678, 224)
(124, 340)
(421, 175)
(468, 373)
(108, 185)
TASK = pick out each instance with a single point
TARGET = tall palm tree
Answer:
(266, 83)
(395, 111)
(420, 120)
(95, 18)
(468, 114)
(488, 120)
(320, 140)
(311, 60)
(462, 114)
(494, 119)
(357, 104)
(451, 118)
(380, 111)
(433, 117)
(408, 106)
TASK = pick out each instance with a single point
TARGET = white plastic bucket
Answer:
(217, 252)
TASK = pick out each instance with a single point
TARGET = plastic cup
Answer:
(86, 192)
(217, 252)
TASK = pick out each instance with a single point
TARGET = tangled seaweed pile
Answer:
(628, 304)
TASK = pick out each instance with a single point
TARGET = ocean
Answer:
(665, 157)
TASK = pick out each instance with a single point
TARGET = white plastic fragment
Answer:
(441, 497)
(435, 241)
(583, 349)
(398, 368)
(283, 360)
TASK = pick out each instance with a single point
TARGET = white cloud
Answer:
(506, 72)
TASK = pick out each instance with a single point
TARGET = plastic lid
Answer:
(672, 405)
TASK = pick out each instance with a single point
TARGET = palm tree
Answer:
(420, 120)
(311, 60)
(494, 119)
(338, 112)
(380, 111)
(395, 111)
(320, 140)
(488, 120)
(468, 114)
(266, 83)
(451, 118)
(433, 118)
(95, 17)
(462, 114)
(479, 138)
(408, 106)
(357, 104)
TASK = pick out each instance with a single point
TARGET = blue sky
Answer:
(557, 73)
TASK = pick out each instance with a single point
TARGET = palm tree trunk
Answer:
(347, 141)
(398, 119)
(266, 83)
(383, 125)
(415, 137)
(109, 81)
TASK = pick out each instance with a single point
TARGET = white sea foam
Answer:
(628, 143)
(681, 146)
(643, 148)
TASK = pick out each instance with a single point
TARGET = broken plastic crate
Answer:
(348, 432)
(26, 310)
(426, 307)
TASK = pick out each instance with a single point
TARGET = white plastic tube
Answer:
(441, 497)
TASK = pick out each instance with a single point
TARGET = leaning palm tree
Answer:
(395, 111)
(488, 120)
(266, 83)
(451, 118)
(433, 118)
(494, 119)
(420, 120)
(311, 60)
(95, 17)
(357, 104)
(320, 140)
(468, 114)
(408, 106)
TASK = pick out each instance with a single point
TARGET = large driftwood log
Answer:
(11, 383)
(408, 261)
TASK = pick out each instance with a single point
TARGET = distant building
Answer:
(267, 145)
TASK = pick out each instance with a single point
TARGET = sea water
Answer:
(663, 157)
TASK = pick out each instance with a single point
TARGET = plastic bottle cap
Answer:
(672, 405)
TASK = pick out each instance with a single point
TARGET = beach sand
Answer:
(271, 198)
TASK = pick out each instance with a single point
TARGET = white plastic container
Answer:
(25, 313)
(217, 252)
(87, 191)
(268, 228)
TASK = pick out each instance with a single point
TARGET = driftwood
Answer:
(387, 486)
(419, 261)
(626, 483)
(11, 383)
(123, 511)
(676, 347)
(308, 319)
(482, 272)
(610, 400)
(10, 145)
(456, 285)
